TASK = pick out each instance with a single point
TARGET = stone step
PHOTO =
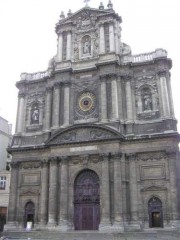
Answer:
(88, 235)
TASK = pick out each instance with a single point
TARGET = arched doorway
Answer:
(29, 214)
(86, 201)
(155, 213)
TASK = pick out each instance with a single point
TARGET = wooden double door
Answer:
(86, 201)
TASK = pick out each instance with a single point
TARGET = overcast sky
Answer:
(28, 39)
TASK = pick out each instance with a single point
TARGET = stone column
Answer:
(53, 188)
(114, 99)
(44, 193)
(164, 94)
(118, 211)
(120, 92)
(69, 44)
(60, 45)
(63, 210)
(48, 108)
(133, 192)
(172, 158)
(56, 105)
(105, 195)
(103, 101)
(111, 37)
(12, 209)
(66, 103)
(129, 100)
(171, 105)
(20, 114)
(102, 40)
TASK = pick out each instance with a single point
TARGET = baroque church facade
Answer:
(96, 143)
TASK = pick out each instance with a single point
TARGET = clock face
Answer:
(86, 103)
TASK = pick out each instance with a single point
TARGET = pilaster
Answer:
(44, 192)
(53, 192)
(118, 211)
(172, 161)
(56, 105)
(60, 45)
(12, 209)
(134, 223)
(103, 100)
(20, 114)
(111, 37)
(164, 94)
(69, 44)
(66, 103)
(48, 108)
(63, 210)
(114, 98)
(129, 105)
(105, 223)
(102, 40)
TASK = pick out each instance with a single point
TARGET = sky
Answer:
(28, 40)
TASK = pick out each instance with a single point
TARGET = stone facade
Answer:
(96, 143)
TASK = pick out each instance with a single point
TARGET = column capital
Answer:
(66, 83)
(57, 85)
(53, 160)
(44, 162)
(131, 156)
(21, 94)
(116, 155)
(49, 89)
(14, 165)
(105, 156)
(162, 73)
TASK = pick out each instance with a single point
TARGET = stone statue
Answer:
(147, 102)
(87, 47)
(35, 115)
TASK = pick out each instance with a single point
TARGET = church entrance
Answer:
(29, 215)
(155, 213)
(86, 201)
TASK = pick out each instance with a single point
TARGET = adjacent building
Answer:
(5, 158)
(96, 141)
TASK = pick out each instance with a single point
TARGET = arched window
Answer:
(147, 104)
(155, 213)
(86, 45)
(35, 114)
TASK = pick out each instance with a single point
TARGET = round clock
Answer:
(86, 102)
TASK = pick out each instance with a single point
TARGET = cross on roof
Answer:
(86, 1)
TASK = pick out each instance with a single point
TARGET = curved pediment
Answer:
(81, 134)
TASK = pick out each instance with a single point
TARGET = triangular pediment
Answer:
(86, 18)
(82, 134)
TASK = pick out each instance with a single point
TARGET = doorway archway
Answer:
(29, 214)
(155, 213)
(86, 201)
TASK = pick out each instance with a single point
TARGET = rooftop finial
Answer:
(101, 6)
(69, 13)
(110, 5)
(86, 1)
(62, 15)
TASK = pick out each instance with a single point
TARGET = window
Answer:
(2, 182)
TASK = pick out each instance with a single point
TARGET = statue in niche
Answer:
(147, 102)
(35, 115)
(87, 45)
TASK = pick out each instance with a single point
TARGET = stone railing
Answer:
(35, 76)
(146, 57)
